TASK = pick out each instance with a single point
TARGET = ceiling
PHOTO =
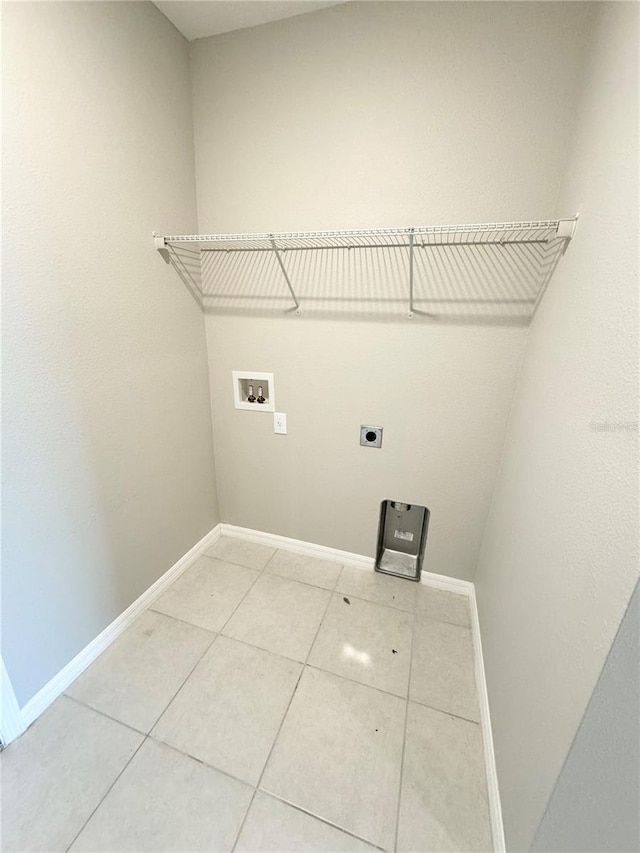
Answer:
(198, 19)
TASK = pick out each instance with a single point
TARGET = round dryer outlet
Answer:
(371, 436)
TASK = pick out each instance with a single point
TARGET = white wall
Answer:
(107, 451)
(560, 553)
(375, 115)
(594, 805)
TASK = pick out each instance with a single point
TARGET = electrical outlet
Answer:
(280, 423)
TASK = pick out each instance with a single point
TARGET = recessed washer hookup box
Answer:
(402, 537)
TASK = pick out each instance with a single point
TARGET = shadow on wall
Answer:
(487, 284)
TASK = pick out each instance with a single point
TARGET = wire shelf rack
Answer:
(531, 249)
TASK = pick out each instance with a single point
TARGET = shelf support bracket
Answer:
(284, 273)
(159, 241)
(566, 230)
(411, 274)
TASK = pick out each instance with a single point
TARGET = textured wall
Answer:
(107, 451)
(560, 554)
(374, 115)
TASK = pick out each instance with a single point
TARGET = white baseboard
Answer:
(493, 791)
(322, 552)
(461, 587)
(59, 683)
(11, 722)
(346, 558)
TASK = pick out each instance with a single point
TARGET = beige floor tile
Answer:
(275, 827)
(298, 567)
(207, 593)
(443, 805)
(167, 801)
(338, 755)
(442, 673)
(242, 553)
(55, 775)
(443, 605)
(229, 710)
(379, 588)
(279, 615)
(139, 674)
(366, 642)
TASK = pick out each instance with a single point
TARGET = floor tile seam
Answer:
(404, 742)
(277, 735)
(235, 609)
(104, 714)
(332, 592)
(184, 681)
(423, 616)
(440, 619)
(415, 612)
(107, 792)
(320, 623)
(369, 601)
(359, 683)
(296, 581)
(262, 649)
(443, 711)
(275, 574)
(264, 568)
(319, 817)
(234, 563)
(183, 621)
(244, 820)
(271, 748)
(157, 739)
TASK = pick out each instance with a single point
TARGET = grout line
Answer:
(233, 563)
(233, 612)
(104, 714)
(284, 716)
(184, 681)
(293, 693)
(264, 791)
(184, 621)
(304, 583)
(213, 767)
(244, 642)
(106, 793)
(264, 568)
(446, 713)
(320, 623)
(321, 819)
(360, 683)
(404, 738)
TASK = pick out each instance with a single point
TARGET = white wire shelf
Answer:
(547, 239)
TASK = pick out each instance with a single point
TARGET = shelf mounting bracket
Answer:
(566, 230)
(159, 241)
(284, 273)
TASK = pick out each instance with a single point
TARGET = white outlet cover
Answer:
(280, 423)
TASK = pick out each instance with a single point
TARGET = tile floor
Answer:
(266, 702)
